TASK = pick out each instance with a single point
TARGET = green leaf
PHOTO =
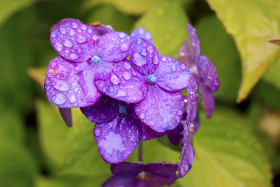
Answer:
(167, 24)
(72, 150)
(220, 48)
(269, 94)
(227, 155)
(272, 75)
(17, 167)
(7, 8)
(252, 24)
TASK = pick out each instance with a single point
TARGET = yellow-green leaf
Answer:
(252, 24)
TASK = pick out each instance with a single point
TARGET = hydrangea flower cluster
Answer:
(132, 93)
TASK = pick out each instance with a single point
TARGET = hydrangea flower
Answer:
(152, 83)
(202, 68)
(141, 33)
(117, 129)
(142, 175)
(86, 52)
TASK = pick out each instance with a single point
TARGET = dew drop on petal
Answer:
(163, 59)
(72, 99)
(74, 56)
(84, 27)
(126, 65)
(62, 30)
(144, 52)
(58, 47)
(95, 37)
(89, 30)
(74, 25)
(114, 79)
(81, 39)
(183, 66)
(97, 131)
(121, 35)
(67, 43)
(59, 99)
(126, 75)
(124, 47)
(62, 85)
(150, 49)
(72, 32)
(53, 34)
(142, 115)
(139, 60)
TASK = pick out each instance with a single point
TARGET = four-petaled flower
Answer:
(142, 175)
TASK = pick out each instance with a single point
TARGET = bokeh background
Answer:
(238, 146)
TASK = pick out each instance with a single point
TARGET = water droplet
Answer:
(121, 35)
(114, 79)
(126, 65)
(126, 75)
(163, 59)
(95, 37)
(134, 73)
(173, 68)
(72, 99)
(72, 32)
(67, 43)
(183, 66)
(89, 30)
(148, 36)
(139, 60)
(58, 46)
(144, 52)
(74, 25)
(121, 93)
(53, 64)
(62, 85)
(84, 27)
(59, 99)
(138, 41)
(150, 49)
(97, 131)
(81, 39)
(77, 89)
(74, 56)
(62, 30)
(124, 47)
(111, 89)
(142, 115)
(53, 34)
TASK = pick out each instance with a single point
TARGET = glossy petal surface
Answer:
(117, 139)
(113, 46)
(73, 40)
(146, 133)
(207, 72)
(195, 44)
(123, 83)
(141, 33)
(208, 100)
(160, 110)
(192, 99)
(69, 85)
(172, 75)
(66, 115)
(185, 56)
(103, 111)
(143, 56)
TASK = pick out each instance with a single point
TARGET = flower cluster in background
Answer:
(131, 92)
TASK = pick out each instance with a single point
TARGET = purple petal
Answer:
(194, 41)
(146, 133)
(123, 83)
(66, 115)
(175, 136)
(103, 111)
(208, 100)
(73, 40)
(117, 139)
(113, 46)
(165, 171)
(120, 181)
(192, 99)
(187, 153)
(70, 85)
(143, 56)
(141, 33)
(160, 110)
(185, 56)
(101, 29)
(207, 72)
(172, 75)
(127, 168)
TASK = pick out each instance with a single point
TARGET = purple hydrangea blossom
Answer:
(117, 129)
(141, 33)
(142, 175)
(86, 52)
(152, 83)
(202, 68)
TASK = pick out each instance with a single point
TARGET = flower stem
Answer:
(140, 151)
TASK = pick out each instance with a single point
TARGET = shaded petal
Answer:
(185, 56)
(123, 83)
(113, 46)
(103, 111)
(73, 40)
(101, 29)
(143, 56)
(160, 110)
(192, 100)
(172, 75)
(66, 115)
(125, 168)
(141, 33)
(207, 72)
(194, 41)
(166, 172)
(120, 181)
(117, 139)
(175, 136)
(70, 85)
(187, 153)
(208, 100)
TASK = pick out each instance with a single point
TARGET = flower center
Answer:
(152, 79)
(95, 59)
(143, 175)
(122, 109)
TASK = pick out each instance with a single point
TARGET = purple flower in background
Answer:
(202, 68)
(142, 175)
(117, 129)
(86, 52)
(152, 83)
(141, 33)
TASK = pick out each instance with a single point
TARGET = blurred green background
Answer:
(238, 146)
